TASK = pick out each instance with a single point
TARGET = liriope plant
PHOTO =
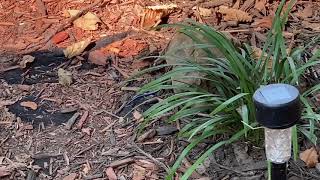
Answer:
(227, 106)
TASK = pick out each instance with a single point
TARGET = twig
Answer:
(50, 166)
(121, 71)
(232, 169)
(121, 162)
(139, 150)
(83, 119)
(130, 89)
(9, 68)
(96, 176)
(71, 121)
(3, 141)
(86, 149)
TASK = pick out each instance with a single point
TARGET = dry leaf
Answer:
(137, 116)
(230, 14)
(307, 12)
(152, 15)
(310, 157)
(5, 171)
(265, 22)
(70, 13)
(29, 104)
(139, 173)
(65, 77)
(111, 174)
(86, 168)
(71, 176)
(60, 37)
(205, 12)
(25, 60)
(261, 5)
(88, 22)
(98, 57)
(257, 53)
(76, 48)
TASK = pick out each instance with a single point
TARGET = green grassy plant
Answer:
(227, 107)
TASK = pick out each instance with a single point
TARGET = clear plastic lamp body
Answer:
(278, 145)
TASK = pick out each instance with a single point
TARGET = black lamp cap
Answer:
(277, 106)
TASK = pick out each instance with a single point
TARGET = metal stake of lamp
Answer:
(277, 109)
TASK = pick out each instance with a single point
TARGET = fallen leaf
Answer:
(70, 13)
(265, 22)
(29, 104)
(86, 168)
(87, 131)
(88, 22)
(205, 12)
(139, 173)
(4, 171)
(26, 59)
(98, 57)
(310, 157)
(306, 13)
(76, 48)
(60, 37)
(65, 77)
(261, 5)
(132, 47)
(137, 116)
(111, 174)
(71, 176)
(257, 53)
(231, 14)
(153, 15)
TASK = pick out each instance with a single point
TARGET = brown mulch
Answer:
(102, 141)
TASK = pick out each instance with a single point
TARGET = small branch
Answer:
(156, 161)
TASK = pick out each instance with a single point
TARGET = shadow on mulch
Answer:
(43, 114)
(42, 70)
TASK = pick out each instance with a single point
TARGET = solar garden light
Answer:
(277, 109)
